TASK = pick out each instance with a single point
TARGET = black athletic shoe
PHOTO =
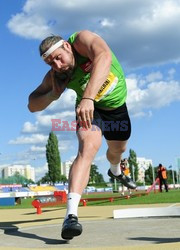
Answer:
(125, 180)
(71, 227)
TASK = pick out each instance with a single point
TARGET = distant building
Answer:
(143, 165)
(25, 170)
(65, 168)
(178, 163)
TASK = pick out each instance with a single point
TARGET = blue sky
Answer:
(145, 36)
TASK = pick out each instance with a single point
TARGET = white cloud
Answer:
(37, 149)
(107, 23)
(163, 93)
(22, 23)
(35, 154)
(155, 94)
(140, 32)
(33, 139)
(100, 158)
(40, 171)
(62, 109)
(145, 93)
(28, 127)
(44, 121)
(171, 73)
(154, 76)
(36, 134)
(66, 101)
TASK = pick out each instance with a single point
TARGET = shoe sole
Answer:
(70, 233)
(122, 181)
(127, 185)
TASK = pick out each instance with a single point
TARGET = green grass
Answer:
(25, 203)
(173, 196)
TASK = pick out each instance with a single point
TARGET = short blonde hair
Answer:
(48, 42)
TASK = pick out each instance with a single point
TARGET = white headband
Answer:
(52, 48)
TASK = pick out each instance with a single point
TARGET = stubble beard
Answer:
(66, 73)
(70, 67)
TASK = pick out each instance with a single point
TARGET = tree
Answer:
(63, 178)
(95, 176)
(16, 179)
(53, 158)
(46, 179)
(133, 166)
(170, 174)
(149, 175)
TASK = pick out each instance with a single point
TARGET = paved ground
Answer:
(24, 229)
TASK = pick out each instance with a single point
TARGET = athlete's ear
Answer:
(67, 46)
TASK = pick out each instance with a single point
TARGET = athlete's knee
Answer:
(117, 150)
(123, 149)
(89, 147)
(90, 141)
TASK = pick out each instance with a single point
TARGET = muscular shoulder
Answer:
(85, 35)
(88, 43)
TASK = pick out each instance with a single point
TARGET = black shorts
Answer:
(114, 124)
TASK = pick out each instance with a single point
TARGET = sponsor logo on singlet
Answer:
(86, 67)
(107, 87)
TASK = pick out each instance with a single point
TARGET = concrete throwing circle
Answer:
(101, 234)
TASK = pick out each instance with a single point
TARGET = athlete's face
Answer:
(62, 59)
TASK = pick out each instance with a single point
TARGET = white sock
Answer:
(73, 200)
(115, 169)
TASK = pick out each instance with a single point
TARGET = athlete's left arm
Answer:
(95, 48)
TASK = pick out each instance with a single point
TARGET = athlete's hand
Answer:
(84, 112)
(58, 84)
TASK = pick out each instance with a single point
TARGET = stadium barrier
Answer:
(58, 198)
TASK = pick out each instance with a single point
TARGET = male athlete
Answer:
(86, 64)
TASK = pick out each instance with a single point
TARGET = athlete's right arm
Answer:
(48, 91)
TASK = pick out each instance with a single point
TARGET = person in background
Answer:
(162, 174)
(125, 169)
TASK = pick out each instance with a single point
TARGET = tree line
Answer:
(54, 175)
(54, 165)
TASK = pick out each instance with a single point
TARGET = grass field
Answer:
(173, 196)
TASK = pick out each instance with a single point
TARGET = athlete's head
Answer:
(57, 53)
